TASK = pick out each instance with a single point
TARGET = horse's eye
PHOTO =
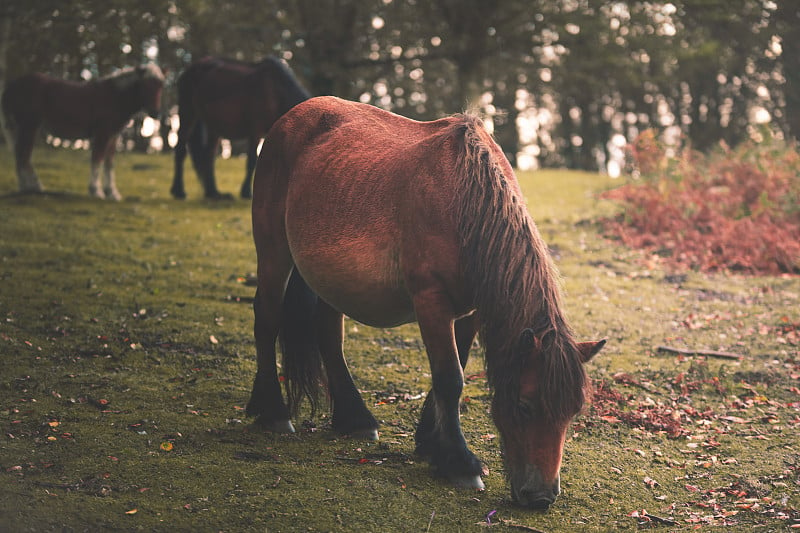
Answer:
(526, 408)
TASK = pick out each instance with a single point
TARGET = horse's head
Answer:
(532, 415)
(151, 84)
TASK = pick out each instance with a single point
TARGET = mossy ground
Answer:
(127, 357)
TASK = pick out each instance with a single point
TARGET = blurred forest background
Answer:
(563, 83)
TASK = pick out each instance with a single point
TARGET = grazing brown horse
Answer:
(95, 110)
(390, 221)
(223, 98)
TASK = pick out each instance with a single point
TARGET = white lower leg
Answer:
(94, 182)
(111, 185)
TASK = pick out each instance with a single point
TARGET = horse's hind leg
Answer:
(350, 414)
(203, 150)
(266, 400)
(23, 148)
(274, 266)
(178, 191)
(252, 156)
(204, 163)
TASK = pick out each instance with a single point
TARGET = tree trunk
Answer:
(505, 123)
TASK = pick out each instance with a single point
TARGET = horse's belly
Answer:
(226, 120)
(360, 281)
(383, 309)
(67, 119)
(67, 130)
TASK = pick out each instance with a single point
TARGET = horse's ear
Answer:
(590, 349)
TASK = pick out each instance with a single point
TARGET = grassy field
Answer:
(127, 359)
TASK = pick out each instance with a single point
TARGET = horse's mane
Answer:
(514, 282)
(292, 93)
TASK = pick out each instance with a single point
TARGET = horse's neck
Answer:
(519, 286)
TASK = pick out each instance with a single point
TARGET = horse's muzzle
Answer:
(532, 492)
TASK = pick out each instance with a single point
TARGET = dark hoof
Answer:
(246, 194)
(178, 195)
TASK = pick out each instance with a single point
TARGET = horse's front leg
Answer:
(110, 186)
(99, 146)
(444, 444)
(466, 328)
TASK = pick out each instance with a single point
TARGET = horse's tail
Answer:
(302, 362)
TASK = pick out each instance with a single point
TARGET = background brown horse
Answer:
(95, 110)
(224, 98)
(390, 221)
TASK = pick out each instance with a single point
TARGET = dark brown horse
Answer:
(223, 98)
(390, 221)
(95, 110)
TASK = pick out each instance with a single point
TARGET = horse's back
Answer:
(341, 147)
(230, 96)
(213, 77)
(323, 126)
(35, 97)
(21, 94)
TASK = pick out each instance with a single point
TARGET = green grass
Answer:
(126, 329)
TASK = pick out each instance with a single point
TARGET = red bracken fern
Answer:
(734, 210)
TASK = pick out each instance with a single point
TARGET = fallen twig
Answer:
(347, 459)
(660, 520)
(64, 486)
(430, 522)
(709, 353)
(627, 379)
